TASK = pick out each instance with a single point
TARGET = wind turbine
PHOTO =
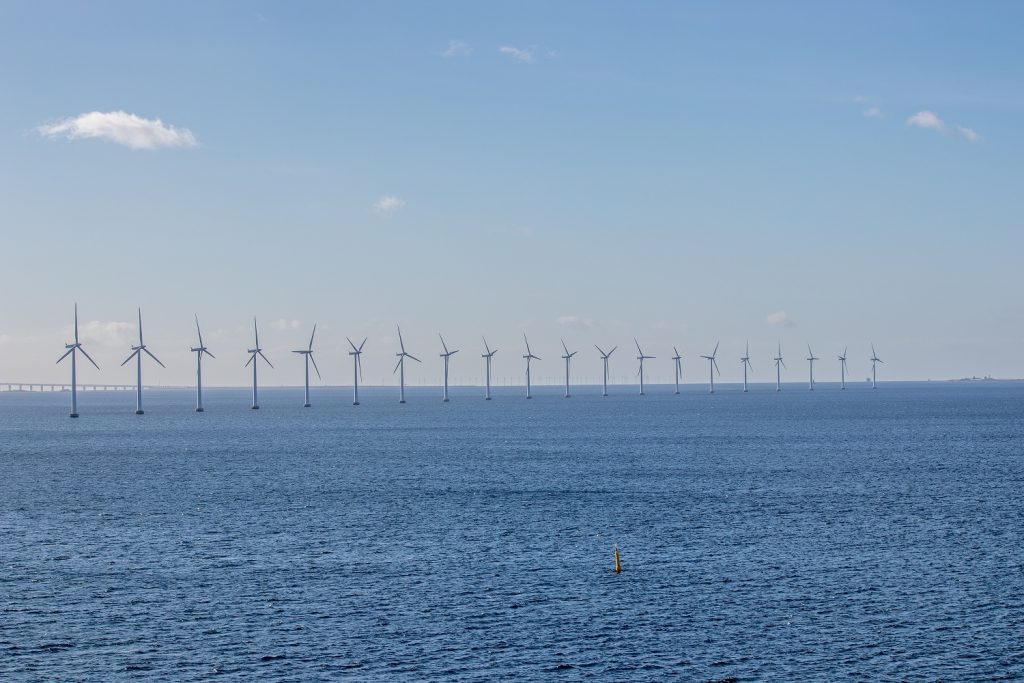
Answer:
(605, 357)
(568, 357)
(252, 359)
(72, 350)
(843, 369)
(357, 368)
(874, 359)
(745, 361)
(487, 357)
(446, 355)
(811, 359)
(528, 356)
(199, 351)
(401, 365)
(679, 367)
(308, 354)
(713, 366)
(137, 355)
(641, 358)
(779, 363)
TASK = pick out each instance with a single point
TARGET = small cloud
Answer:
(457, 48)
(517, 53)
(282, 324)
(120, 127)
(930, 121)
(112, 333)
(860, 99)
(574, 322)
(388, 205)
(6, 339)
(780, 319)
(873, 113)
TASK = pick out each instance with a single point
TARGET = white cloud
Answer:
(457, 48)
(574, 322)
(929, 120)
(282, 324)
(6, 339)
(111, 333)
(388, 204)
(519, 54)
(780, 319)
(121, 127)
(873, 113)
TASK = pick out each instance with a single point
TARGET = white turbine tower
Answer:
(528, 356)
(357, 368)
(447, 356)
(604, 358)
(199, 351)
(567, 357)
(72, 350)
(253, 353)
(402, 355)
(713, 366)
(810, 359)
(136, 353)
(874, 359)
(487, 358)
(307, 354)
(779, 363)
(678, 366)
(641, 357)
(843, 369)
(745, 361)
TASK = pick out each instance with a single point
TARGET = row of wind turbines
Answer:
(256, 354)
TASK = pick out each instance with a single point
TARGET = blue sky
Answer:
(820, 173)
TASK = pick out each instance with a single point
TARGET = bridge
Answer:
(42, 386)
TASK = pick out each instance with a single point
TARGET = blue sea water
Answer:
(865, 535)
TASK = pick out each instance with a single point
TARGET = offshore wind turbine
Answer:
(745, 362)
(713, 366)
(402, 355)
(253, 353)
(874, 359)
(678, 366)
(136, 353)
(779, 363)
(446, 355)
(641, 357)
(487, 359)
(811, 359)
(307, 353)
(528, 356)
(843, 369)
(604, 358)
(199, 351)
(72, 350)
(357, 368)
(568, 357)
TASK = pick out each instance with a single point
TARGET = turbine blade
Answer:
(603, 354)
(637, 346)
(486, 347)
(76, 322)
(363, 344)
(563, 347)
(313, 360)
(359, 364)
(140, 327)
(351, 344)
(150, 354)
(414, 358)
(133, 354)
(208, 353)
(445, 346)
(256, 332)
(715, 363)
(251, 356)
(715, 352)
(66, 354)
(400, 341)
(613, 350)
(265, 358)
(400, 359)
(198, 331)
(89, 357)
(311, 337)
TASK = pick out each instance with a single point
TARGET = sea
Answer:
(868, 535)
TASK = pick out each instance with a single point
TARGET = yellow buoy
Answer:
(618, 566)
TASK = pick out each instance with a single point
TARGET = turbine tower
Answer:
(641, 357)
(874, 359)
(446, 355)
(811, 359)
(679, 367)
(72, 350)
(253, 353)
(568, 357)
(357, 368)
(487, 358)
(307, 353)
(199, 351)
(402, 355)
(779, 363)
(713, 366)
(843, 369)
(136, 353)
(605, 357)
(528, 356)
(745, 361)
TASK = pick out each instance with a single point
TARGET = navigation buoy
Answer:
(618, 566)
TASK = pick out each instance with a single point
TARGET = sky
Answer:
(685, 173)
